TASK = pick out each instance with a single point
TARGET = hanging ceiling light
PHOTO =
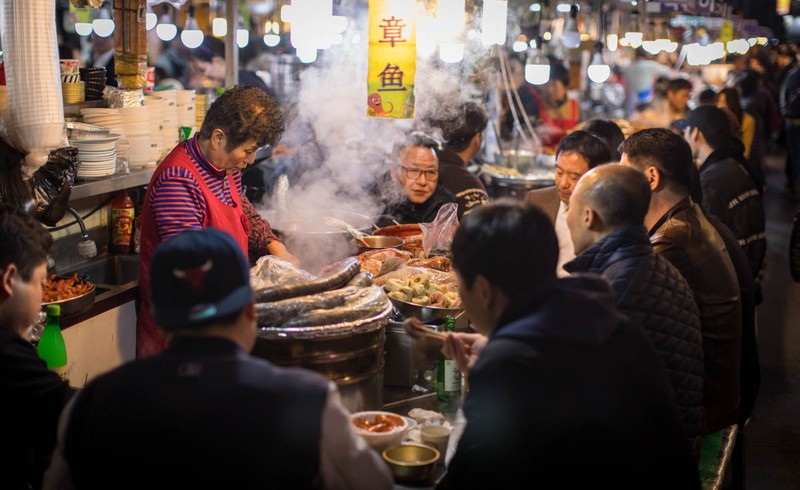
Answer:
(103, 26)
(537, 66)
(272, 32)
(150, 19)
(85, 28)
(570, 37)
(493, 22)
(598, 70)
(166, 30)
(191, 36)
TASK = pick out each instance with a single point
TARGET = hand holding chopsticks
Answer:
(416, 329)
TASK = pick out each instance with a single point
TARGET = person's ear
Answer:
(591, 220)
(484, 292)
(6, 281)
(653, 176)
(218, 140)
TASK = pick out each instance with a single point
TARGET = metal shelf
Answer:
(135, 178)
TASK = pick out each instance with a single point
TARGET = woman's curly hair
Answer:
(243, 114)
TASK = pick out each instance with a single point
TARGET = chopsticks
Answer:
(418, 330)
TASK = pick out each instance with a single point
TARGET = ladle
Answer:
(358, 235)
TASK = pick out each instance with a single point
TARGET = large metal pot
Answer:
(350, 354)
(310, 239)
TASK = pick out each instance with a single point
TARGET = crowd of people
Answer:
(615, 329)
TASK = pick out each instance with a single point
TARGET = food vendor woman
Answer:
(199, 184)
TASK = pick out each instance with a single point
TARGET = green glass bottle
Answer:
(448, 377)
(51, 346)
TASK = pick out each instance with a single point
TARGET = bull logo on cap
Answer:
(194, 276)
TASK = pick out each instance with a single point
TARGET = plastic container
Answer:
(51, 347)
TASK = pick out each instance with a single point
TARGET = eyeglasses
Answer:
(414, 173)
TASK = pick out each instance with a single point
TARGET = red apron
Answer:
(149, 338)
(554, 128)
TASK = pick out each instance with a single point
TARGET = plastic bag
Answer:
(437, 236)
(52, 183)
(13, 189)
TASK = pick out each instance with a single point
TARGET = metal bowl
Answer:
(377, 242)
(411, 462)
(74, 306)
(425, 314)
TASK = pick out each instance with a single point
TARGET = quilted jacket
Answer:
(653, 293)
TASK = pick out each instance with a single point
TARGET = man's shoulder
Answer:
(545, 199)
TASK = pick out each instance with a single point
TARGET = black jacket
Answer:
(686, 238)
(33, 398)
(201, 414)
(466, 186)
(407, 212)
(568, 393)
(654, 294)
(731, 195)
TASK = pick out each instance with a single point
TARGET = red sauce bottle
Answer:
(122, 216)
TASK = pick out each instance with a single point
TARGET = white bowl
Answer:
(380, 439)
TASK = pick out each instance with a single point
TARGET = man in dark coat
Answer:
(679, 231)
(463, 138)
(204, 413)
(566, 391)
(32, 395)
(610, 239)
(728, 191)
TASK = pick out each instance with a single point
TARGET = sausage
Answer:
(363, 279)
(370, 303)
(277, 312)
(338, 276)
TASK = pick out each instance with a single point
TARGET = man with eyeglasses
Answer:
(416, 172)
(577, 153)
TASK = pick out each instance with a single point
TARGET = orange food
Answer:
(61, 288)
(382, 423)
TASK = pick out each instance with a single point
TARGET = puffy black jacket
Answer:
(731, 195)
(686, 238)
(654, 294)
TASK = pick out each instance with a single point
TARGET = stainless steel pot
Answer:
(350, 354)
(315, 243)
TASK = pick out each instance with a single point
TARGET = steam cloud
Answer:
(343, 153)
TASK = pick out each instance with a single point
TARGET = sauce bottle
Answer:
(122, 216)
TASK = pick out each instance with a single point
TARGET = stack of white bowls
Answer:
(169, 123)
(187, 114)
(97, 155)
(136, 121)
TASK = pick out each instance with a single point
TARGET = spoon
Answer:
(358, 235)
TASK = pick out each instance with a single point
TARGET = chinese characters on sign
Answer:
(392, 58)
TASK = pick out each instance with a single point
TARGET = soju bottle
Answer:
(51, 346)
(448, 377)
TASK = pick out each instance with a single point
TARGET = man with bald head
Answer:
(606, 221)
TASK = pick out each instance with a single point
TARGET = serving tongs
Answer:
(357, 234)
(417, 330)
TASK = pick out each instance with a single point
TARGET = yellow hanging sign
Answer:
(726, 33)
(392, 58)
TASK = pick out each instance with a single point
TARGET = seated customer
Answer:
(606, 220)
(33, 396)
(203, 413)
(463, 137)
(415, 174)
(567, 392)
(577, 152)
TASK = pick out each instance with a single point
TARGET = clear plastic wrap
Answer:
(271, 271)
